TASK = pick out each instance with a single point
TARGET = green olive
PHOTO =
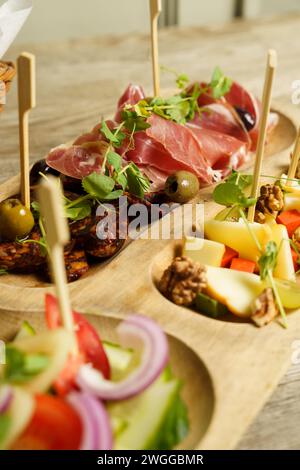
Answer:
(182, 186)
(15, 220)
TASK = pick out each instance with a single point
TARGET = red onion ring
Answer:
(6, 396)
(97, 432)
(136, 332)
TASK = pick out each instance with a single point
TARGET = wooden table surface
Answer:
(79, 81)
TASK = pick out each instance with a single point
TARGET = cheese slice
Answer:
(285, 266)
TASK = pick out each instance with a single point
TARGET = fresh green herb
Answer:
(79, 211)
(230, 194)
(138, 184)
(98, 185)
(268, 260)
(35, 209)
(114, 136)
(181, 78)
(219, 84)
(242, 181)
(135, 117)
(2, 272)
(115, 160)
(21, 367)
(267, 263)
(5, 424)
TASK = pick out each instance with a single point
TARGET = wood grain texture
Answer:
(78, 81)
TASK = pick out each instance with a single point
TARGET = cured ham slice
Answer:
(77, 161)
(240, 99)
(132, 95)
(224, 152)
(222, 118)
(168, 147)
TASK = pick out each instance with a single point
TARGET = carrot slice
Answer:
(291, 219)
(241, 264)
(228, 256)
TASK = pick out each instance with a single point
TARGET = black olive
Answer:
(41, 167)
(247, 118)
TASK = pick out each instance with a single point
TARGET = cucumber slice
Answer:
(25, 331)
(143, 417)
(209, 306)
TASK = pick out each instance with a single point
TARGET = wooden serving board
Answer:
(235, 365)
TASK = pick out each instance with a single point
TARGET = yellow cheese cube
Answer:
(236, 235)
(204, 251)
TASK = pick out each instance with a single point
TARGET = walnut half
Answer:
(182, 281)
(265, 308)
(270, 201)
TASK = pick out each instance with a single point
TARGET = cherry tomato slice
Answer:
(89, 343)
(55, 425)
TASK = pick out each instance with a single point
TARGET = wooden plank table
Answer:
(79, 81)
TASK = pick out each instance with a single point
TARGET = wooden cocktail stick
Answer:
(294, 160)
(155, 10)
(27, 101)
(266, 105)
(57, 233)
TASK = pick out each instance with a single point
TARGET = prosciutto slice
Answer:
(239, 98)
(223, 151)
(222, 118)
(168, 147)
(77, 161)
(132, 95)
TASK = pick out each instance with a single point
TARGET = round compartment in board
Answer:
(162, 261)
(197, 392)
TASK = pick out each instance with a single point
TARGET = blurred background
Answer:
(66, 19)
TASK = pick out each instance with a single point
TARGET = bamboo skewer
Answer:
(155, 10)
(294, 161)
(50, 199)
(266, 105)
(27, 101)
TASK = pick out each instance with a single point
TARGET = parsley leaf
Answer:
(219, 84)
(2, 272)
(182, 80)
(134, 122)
